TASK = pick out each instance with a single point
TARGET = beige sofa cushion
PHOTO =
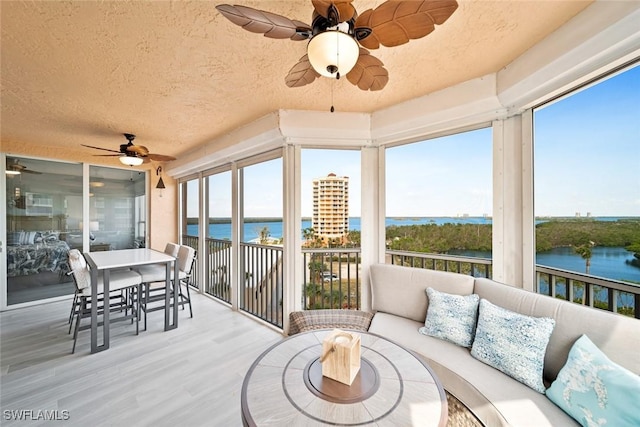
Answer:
(402, 291)
(494, 397)
(616, 335)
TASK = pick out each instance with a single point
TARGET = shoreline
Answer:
(227, 220)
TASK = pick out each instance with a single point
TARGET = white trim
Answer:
(86, 208)
(217, 170)
(528, 206)
(595, 40)
(3, 234)
(260, 158)
(370, 237)
(497, 235)
(466, 104)
(203, 230)
(293, 273)
(253, 138)
(324, 129)
(508, 201)
(236, 236)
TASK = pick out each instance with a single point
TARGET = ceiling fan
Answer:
(132, 155)
(14, 167)
(338, 36)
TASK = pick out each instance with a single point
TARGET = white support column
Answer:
(372, 230)
(236, 211)
(86, 207)
(3, 234)
(203, 232)
(508, 201)
(292, 219)
(528, 209)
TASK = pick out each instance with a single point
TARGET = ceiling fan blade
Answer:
(267, 23)
(346, 11)
(99, 148)
(301, 74)
(159, 157)
(25, 170)
(369, 72)
(108, 155)
(395, 22)
(138, 149)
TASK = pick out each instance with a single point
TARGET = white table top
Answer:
(104, 260)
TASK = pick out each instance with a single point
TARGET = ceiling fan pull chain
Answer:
(332, 109)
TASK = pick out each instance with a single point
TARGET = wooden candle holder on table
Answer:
(341, 356)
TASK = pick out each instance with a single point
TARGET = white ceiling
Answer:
(179, 75)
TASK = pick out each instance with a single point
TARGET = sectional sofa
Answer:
(588, 360)
(400, 305)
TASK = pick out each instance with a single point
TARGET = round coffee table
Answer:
(285, 387)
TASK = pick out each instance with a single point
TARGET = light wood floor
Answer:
(191, 376)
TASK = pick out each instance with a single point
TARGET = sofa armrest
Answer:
(308, 320)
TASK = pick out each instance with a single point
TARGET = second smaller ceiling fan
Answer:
(131, 154)
(14, 167)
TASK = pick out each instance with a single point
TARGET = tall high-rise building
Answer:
(331, 207)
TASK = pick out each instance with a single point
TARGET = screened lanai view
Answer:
(258, 210)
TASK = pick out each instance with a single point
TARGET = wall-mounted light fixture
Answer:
(160, 181)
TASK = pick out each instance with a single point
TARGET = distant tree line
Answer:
(555, 233)
(435, 238)
(551, 234)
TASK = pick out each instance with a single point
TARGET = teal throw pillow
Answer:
(513, 343)
(594, 390)
(451, 317)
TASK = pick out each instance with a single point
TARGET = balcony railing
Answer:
(612, 295)
(331, 278)
(261, 287)
(218, 269)
(193, 242)
(261, 284)
(607, 294)
(476, 267)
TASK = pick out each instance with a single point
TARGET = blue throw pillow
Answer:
(451, 317)
(594, 390)
(513, 343)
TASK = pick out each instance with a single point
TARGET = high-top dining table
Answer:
(104, 261)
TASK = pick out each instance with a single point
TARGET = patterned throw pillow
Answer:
(451, 317)
(513, 343)
(594, 390)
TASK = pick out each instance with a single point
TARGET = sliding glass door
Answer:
(43, 213)
(45, 217)
(117, 209)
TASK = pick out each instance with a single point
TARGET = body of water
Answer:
(611, 263)
(252, 229)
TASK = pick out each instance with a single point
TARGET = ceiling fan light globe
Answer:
(333, 52)
(12, 172)
(131, 161)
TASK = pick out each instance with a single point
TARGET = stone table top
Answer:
(284, 387)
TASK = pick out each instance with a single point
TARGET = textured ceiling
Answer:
(178, 74)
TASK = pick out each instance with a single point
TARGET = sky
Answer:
(586, 151)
